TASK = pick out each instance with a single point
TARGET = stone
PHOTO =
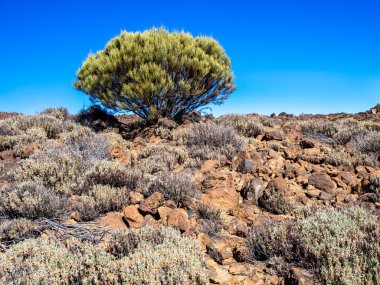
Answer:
(163, 212)
(223, 198)
(348, 178)
(219, 251)
(273, 135)
(167, 123)
(179, 219)
(151, 204)
(132, 217)
(322, 181)
(246, 166)
(113, 220)
(307, 143)
(150, 221)
(325, 196)
(238, 227)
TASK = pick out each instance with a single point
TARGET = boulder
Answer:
(151, 204)
(132, 217)
(273, 135)
(246, 166)
(322, 181)
(223, 198)
(179, 219)
(307, 143)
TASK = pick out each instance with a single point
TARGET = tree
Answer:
(157, 74)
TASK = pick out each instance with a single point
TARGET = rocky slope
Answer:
(279, 168)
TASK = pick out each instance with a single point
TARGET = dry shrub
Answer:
(269, 239)
(108, 198)
(149, 256)
(338, 158)
(59, 166)
(32, 200)
(210, 141)
(61, 113)
(249, 126)
(37, 261)
(341, 245)
(176, 187)
(160, 157)
(367, 143)
(12, 231)
(114, 174)
(211, 222)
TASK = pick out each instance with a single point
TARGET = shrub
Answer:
(343, 245)
(59, 166)
(163, 256)
(160, 157)
(61, 113)
(373, 186)
(109, 198)
(318, 126)
(338, 158)
(211, 222)
(50, 124)
(160, 256)
(114, 174)
(84, 143)
(148, 74)
(37, 261)
(248, 126)
(12, 231)
(208, 141)
(32, 200)
(367, 143)
(176, 187)
(267, 240)
(86, 208)
(53, 169)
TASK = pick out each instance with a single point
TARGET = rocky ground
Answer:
(284, 167)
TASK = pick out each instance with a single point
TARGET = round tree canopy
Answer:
(157, 74)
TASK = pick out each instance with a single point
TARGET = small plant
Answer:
(37, 261)
(267, 240)
(343, 245)
(249, 126)
(367, 143)
(211, 222)
(32, 200)
(114, 174)
(176, 187)
(208, 141)
(16, 230)
(160, 157)
(108, 198)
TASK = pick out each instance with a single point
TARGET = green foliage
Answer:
(344, 245)
(157, 74)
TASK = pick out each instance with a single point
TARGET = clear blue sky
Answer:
(304, 56)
